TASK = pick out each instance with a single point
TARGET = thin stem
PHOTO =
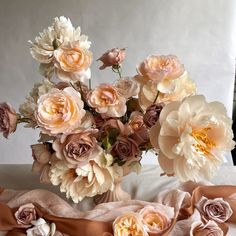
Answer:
(23, 120)
(90, 84)
(72, 85)
(117, 69)
(156, 97)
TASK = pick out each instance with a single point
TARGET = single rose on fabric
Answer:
(191, 137)
(107, 101)
(214, 209)
(42, 158)
(125, 148)
(72, 62)
(209, 229)
(41, 228)
(127, 87)
(157, 219)
(77, 148)
(112, 57)
(59, 111)
(129, 224)
(8, 119)
(152, 114)
(25, 215)
(96, 177)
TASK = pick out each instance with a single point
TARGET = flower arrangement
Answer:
(91, 137)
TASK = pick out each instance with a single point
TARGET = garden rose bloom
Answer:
(96, 177)
(41, 228)
(77, 148)
(42, 158)
(209, 229)
(157, 219)
(192, 136)
(25, 215)
(60, 111)
(72, 62)
(214, 209)
(152, 114)
(159, 68)
(112, 57)
(127, 87)
(129, 224)
(107, 101)
(125, 148)
(8, 119)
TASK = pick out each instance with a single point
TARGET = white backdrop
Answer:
(200, 32)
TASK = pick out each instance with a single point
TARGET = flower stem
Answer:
(117, 69)
(156, 97)
(23, 120)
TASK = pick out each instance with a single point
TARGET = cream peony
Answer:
(192, 137)
(96, 177)
(129, 224)
(107, 101)
(72, 62)
(59, 111)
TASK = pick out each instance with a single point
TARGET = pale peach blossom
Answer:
(159, 68)
(8, 119)
(157, 219)
(192, 137)
(129, 224)
(107, 101)
(127, 87)
(112, 57)
(59, 111)
(72, 62)
(25, 215)
(77, 148)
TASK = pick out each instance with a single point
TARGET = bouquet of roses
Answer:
(91, 137)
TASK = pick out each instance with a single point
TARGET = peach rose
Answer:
(59, 111)
(107, 101)
(112, 57)
(8, 119)
(157, 219)
(72, 62)
(210, 228)
(159, 68)
(78, 147)
(215, 209)
(129, 224)
(25, 215)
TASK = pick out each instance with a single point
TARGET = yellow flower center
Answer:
(203, 143)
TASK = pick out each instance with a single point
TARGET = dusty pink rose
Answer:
(125, 148)
(152, 115)
(129, 224)
(209, 229)
(8, 119)
(215, 209)
(25, 215)
(42, 158)
(60, 111)
(157, 219)
(99, 121)
(77, 148)
(159, 68)
(112, 57)
(107, 101)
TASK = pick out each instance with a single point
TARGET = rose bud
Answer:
(152, 115)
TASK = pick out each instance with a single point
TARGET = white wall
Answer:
(200, 32)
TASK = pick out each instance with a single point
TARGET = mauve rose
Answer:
(209, 229)
(125, 148)
(77, 148)
(99, 121)
(152, 114)
(8, 119)
(25, 215)
(112, 57)
(214, 209)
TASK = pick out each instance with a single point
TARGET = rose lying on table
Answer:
(194, 210)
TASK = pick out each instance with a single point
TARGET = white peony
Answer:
(192, 137)
(96, 177)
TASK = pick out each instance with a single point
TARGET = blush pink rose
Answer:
(25, 215)
(8, 119)
(112, 57)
